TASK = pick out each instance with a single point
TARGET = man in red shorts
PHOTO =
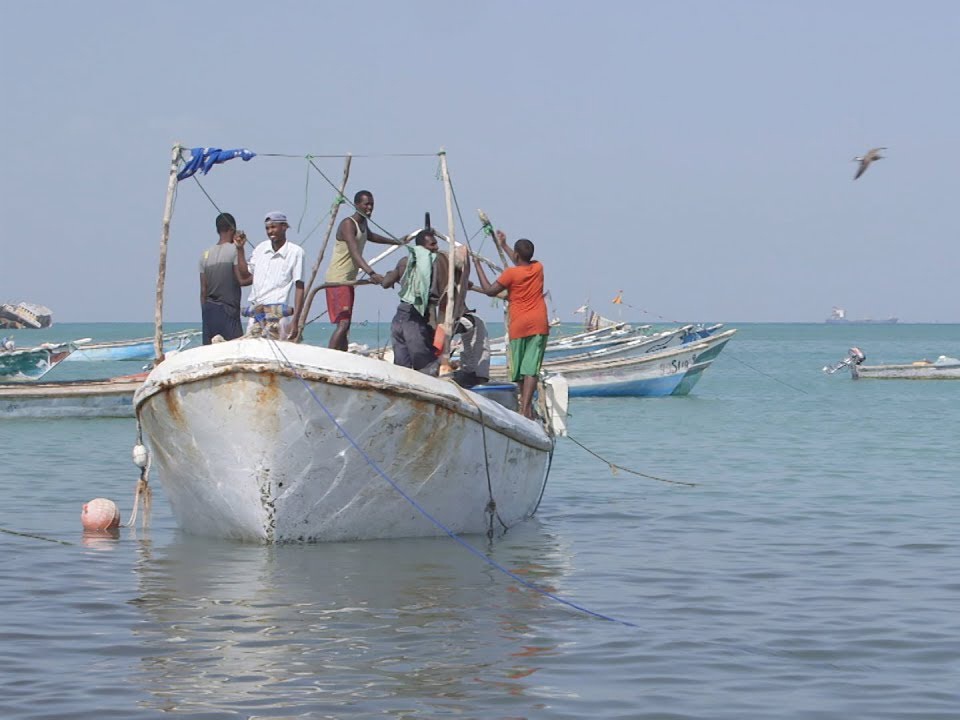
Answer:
(352, 234)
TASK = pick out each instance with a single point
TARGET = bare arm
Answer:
(203, 287)
(241, 271)
(501, 240)
(390, 279)
(347, 232)
(297, 303)
(374, 237)
(486, 287)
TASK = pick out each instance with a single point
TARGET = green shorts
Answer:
(526, 355)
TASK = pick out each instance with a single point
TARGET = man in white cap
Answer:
(277, 267)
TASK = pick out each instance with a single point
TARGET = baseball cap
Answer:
(275, 217)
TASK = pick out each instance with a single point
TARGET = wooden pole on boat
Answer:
(326, 238)
(162, 269)
(448, 318)
(488, 226)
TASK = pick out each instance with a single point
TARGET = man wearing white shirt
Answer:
(277, 268)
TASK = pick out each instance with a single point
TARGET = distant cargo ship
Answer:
(839, 317)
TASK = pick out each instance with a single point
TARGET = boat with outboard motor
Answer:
(943, 368)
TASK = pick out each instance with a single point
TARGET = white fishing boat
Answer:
(632, 346)
(943, 368)
(138, 349)
(673, 371)
(252, 440)
(653, 375)
(111, 397)
(268, 441)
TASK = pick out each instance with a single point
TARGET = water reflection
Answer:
(380, 626)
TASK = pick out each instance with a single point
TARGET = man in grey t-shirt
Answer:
(223, 271)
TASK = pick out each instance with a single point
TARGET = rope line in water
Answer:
(614, 466)
(775, 379)
(35, 537)
(492, 504)
(467, 546)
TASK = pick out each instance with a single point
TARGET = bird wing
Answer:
(863, 166)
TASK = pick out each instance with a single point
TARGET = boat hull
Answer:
(139, 350)
(28, 365)
(674, 371)
(244, 448)
(914, 371)
(654, 375)
(70, 399)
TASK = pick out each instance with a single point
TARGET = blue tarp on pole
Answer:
(205, 158)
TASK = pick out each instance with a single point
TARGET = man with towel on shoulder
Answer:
(410, 332)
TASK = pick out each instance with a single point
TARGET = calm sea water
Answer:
(812, 572)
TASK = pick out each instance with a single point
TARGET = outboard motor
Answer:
(855, 357)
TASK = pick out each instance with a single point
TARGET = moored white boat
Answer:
(112, 397)
(652, 375)
(943, 368)
(673, 371)
(242, 443)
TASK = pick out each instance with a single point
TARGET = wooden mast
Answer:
(326, 238)
(485, 221)
(448, 316)
(162, 269)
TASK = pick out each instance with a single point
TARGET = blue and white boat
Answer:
(29, 364)
(673, 371)
(632, 346)
(138, 349)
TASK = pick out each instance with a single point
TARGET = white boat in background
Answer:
(943, 368)
(672, 371)
(139, 349)
(112, 397)
(242, 443)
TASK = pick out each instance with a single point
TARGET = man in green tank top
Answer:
(347, 260)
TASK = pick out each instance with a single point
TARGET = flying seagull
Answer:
(871, 155)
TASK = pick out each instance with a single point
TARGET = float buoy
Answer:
(100, 514)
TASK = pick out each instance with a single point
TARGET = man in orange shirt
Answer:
(527, 323)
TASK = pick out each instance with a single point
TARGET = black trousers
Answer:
(412, 338)
(220, 320)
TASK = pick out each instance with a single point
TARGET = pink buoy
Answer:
(100, 514)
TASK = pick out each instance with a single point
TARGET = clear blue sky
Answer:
(694, 154)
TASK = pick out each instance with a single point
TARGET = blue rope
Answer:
(493, 563)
